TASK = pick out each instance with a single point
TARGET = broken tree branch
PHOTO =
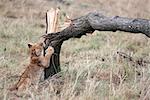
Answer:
(88, 24)
(52, 20)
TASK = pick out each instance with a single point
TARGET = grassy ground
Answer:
(91, 67)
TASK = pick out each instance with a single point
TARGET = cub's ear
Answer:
(30, 45)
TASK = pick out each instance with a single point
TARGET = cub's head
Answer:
(35, 49)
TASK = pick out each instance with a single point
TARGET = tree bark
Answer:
(88, 24)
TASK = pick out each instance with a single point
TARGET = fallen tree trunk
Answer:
(88, 24)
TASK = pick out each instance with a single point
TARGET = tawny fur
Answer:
(32, 74)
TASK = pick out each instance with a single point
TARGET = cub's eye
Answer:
(33, 50)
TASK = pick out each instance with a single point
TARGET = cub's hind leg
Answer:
(21, 85)
(24, 84)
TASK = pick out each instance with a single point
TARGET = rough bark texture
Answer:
(88, 24)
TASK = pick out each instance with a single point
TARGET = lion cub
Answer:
(32, 74)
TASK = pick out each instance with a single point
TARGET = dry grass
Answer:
(91, 67)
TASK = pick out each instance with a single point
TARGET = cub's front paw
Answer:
(50, 49)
